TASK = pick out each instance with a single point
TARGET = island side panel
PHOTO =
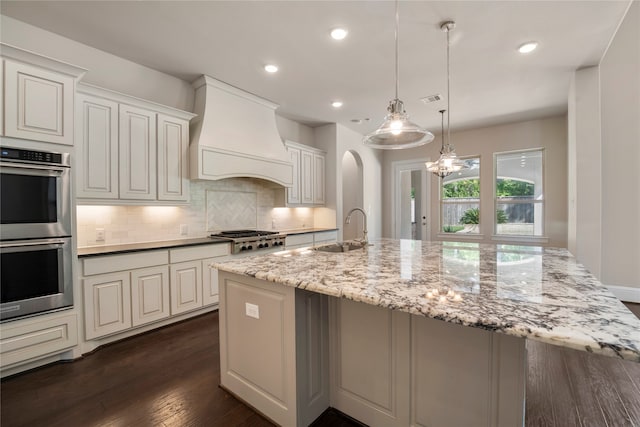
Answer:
(257, 345)
(369, 362)
(465, 376)
(312, 352)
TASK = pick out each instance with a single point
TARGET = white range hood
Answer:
(235, 135)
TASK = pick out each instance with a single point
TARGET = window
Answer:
(460, 200)
(519, 198)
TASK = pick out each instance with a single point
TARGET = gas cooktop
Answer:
(251, 240)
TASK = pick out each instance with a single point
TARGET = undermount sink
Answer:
(340, 247)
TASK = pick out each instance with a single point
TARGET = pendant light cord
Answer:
(448, 95)
(397, 48)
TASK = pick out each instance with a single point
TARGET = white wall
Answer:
(584, 148)
(336, 140)
(105, 70)
(608, 98)
(549, 133)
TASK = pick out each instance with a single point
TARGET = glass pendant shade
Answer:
(446, 165)
(397, 131)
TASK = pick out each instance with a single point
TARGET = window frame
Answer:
(542, 238)
(460, 236)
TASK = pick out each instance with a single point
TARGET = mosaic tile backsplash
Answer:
(214, 205)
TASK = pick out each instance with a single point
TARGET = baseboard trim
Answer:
(625, 293)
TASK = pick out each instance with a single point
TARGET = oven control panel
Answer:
(20, 155)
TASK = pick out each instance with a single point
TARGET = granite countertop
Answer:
(146, 246)
(537, 293)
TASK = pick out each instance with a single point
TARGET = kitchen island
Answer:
(363, 331)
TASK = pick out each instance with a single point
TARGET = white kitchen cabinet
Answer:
(309, 175)
(293, 241)
(107, 304)
(124, 292)
(137, 146)
(36, 338)
(186, 286)
(97, 148)
(131, 151)
(149, 295)
(318, 179)
(293, 193)
(38, 96)
(173, 166)
(366, 339)
(325, 237)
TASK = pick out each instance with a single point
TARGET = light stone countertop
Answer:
(537, 293)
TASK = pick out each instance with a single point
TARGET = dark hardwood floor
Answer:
(169, 377)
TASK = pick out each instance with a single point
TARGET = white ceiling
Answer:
(232, 40)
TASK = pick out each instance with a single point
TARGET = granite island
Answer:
(407, 332)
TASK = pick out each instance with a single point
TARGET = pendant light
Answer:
(397, 131)
(448, 161)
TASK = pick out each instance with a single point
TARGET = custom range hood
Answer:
(235, 135)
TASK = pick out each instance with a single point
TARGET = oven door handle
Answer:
(23, 243)
(59, 170)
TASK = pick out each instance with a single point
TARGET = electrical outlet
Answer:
(252, 310)
(99, 234)
(184, 229)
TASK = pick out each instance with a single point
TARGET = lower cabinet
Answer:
(149, 295)
(291, 353)
(37, 338)
(107, 304)
(186, 286)
(127, 291)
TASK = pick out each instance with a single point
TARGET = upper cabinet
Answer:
(130, 150)
(38, 96)
(308, 187)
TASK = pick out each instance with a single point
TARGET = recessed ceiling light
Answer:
(336, 104)
(270, 68)
(339, 33)
(528, 47)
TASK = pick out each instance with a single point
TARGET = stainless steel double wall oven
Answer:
(35, 232)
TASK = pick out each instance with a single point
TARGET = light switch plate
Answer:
(99, 234)
(252, 310)
(184, 229)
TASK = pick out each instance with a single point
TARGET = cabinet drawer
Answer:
(325, 236)
(299, 239)
(113, 263)
(33, 339)
(193, 253)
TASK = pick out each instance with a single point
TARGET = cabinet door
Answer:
(293, 193)
(107, 302)
(173, 147)
(137, 153)
(306, 177)
(186, 286)
(318, 179)
(38, 103)
(210, 287)
(97, 147)
(149, 295)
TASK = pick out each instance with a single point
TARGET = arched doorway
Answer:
(352, 194)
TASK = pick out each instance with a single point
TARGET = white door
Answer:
(186, 286)
(137, 153)
(411, 200)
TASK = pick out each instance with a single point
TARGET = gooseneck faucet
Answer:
(364, 231)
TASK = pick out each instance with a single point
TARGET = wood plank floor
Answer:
(169, 377)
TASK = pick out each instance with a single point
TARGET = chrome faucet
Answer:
(364, 231)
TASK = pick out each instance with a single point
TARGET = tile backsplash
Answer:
(214, 205)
